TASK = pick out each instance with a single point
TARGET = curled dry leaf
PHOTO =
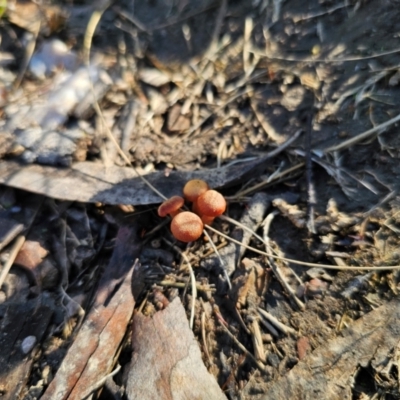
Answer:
(90, 182)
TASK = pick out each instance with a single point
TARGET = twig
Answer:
(317, 14)
(282, 327)
(182, 285)
(29, 50)
(263, 184)
(242, 226)
(11, 258)
(304, 263)
(192, 280)
(276, 270)
(323, 60)
(204, 337)
(259, 364)
(311, 197)
(100, 383)
(37, 203)
(362, 136)
(272, 330)
(256, 338)
(221, 261)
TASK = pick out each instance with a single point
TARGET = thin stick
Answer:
(204, 337)
(311, 195)
(310, 15)
(304, 263)
(282, 327)
(100, 383)
(324, 60)
(20, 241)
(182, 285)
(221, 261)
(13, 255)
(192, 281)
(259, 364)
(263, 184)
(276, 270)
(362, 136)
(242, 226)
(269, 326)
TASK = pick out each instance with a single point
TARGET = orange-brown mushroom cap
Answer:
(186, 226)
(194, 188)
(171, 206)
(211, 203)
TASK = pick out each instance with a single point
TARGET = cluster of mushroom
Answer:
(207, 204)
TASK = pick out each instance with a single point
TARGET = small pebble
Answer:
(27, 344)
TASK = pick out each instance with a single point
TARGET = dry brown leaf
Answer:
(91, 182)
(166, 362)
(91, 356)
(30, 255)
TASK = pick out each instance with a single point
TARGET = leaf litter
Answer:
(227, 103)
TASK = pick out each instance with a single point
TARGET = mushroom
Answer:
(187, 226)
(194, 188)
(171, 206)
(210, 204)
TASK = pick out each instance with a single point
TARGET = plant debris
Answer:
(290, 114)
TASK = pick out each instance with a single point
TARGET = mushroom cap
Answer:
(211, 203)
(186, 226)
(170, 206)
(194, 188)
(207, 220)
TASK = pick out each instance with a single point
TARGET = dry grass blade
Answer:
(192, 281)
(362, 136)
(275, 268)
(323, 60)
(222, 264)
(269, 182)
(304, 263)
(258, 363)
(100, 383)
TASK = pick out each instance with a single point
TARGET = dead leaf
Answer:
(166, 362)
(92, 353)
(91, 182)
(31, 254)
(177, 122)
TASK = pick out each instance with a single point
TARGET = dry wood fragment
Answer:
(166, 361)
(90, 358)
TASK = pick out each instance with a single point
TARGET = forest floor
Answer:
(290, 111)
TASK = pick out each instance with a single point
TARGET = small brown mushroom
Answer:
(211, 204)
(171, 206)
(186, 226)
(194, 188)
